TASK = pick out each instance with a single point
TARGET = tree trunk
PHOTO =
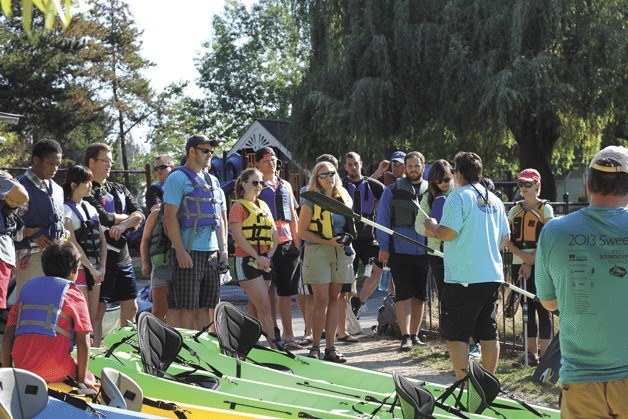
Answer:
(536, 134)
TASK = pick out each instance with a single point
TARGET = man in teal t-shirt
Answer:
(475, 229)
(581, 269)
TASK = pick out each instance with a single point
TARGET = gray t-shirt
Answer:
(7, 250)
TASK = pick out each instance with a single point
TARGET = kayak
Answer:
(25, 394)
(323, 380)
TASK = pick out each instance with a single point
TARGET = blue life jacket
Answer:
(113, 202)
(88, 234)
(8, 220)
(405, 201)
(199, 207)
(362, 195)
(45, 210)
(278, 200)
(39, 308)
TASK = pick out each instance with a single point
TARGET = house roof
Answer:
(9, 117)
(263, 133)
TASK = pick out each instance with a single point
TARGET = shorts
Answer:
(119, 283)
(409, 274)
(246, 272)
(324, 264)
(364, 251)
(84, 276)
(198, 287)
(5, 277)
(286, 272)
(469, 311)
(304, 289)
(161, 276)
(595, 399)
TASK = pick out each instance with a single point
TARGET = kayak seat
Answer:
(238, 333)
(160, 345)
(119, 390)
(416, 402)
(23, 394)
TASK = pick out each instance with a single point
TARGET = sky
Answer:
(174, 32)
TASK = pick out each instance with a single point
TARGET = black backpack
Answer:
(387, 318)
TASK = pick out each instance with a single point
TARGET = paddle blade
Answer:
(330, 204)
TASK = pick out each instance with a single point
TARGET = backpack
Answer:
(387, 318)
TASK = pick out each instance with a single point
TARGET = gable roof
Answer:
(9, 117)
(263, 133)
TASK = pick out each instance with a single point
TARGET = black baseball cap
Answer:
(263, 153)
(196, 140)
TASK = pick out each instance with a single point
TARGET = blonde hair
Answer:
(243, 178)
(337, 189)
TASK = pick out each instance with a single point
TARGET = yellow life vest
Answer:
(321, 222)
(257, 227)
(526, 225)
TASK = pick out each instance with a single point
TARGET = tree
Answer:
(51, 11)
(478, 75)
(251, 67)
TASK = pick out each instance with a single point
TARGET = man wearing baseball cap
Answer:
(581, 270)
(397, 163)
(195, 218)
(277, 193)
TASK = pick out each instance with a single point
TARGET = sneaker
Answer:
(475, 350)
(416, 341)
(406, 343)
(356, 305)
(533, 360)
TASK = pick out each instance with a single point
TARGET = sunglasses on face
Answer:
(525, 184)
(255, 182)
(444, 180)
(205, 150)
(325, 175)
(162, 167)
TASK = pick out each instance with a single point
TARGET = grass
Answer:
(515, 378)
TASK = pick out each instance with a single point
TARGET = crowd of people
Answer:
(67, 247)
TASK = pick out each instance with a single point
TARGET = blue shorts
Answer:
(119, 283)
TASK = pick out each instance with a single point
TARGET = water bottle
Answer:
(384, 279)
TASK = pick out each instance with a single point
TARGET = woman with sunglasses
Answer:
(327, 257)
(253, 230)
(440, 182)
(526, 219)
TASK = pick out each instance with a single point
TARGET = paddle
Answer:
(337, 207)
(528, 294)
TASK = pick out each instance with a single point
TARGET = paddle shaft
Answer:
(398, 235)
(521, 291)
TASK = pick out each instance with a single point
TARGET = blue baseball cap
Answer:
(398, 156)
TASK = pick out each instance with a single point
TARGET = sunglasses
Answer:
(325, 175)
(162, 167)
(255, 182)
(205, 150)
(525, 184)
(444, 180)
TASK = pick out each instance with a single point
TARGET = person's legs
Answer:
(370, 284)
(128, 310)
(92, 297)
(490, 354)
(186, 318)
(416, 309)
(160, 302)
(284, 304)
(321, 303)
(27, 268)
(459, 355)
(257, 291)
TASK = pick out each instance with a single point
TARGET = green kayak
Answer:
(333, 387)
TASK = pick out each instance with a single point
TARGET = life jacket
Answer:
(114, 201)
(45, 210)
(405, 201)
(362, 195)
(278, 200)
(159, 243)
(88, 234)
(8, 219)
(257, 227)
(39, 308)
(199, 207)
(322, 223)
(526, 225)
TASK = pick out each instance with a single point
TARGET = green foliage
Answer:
(250, 68)
(51, 11)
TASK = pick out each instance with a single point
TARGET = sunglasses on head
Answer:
(525, 184)
(325, 175)
(444, 180)
(205, 150)
(162, 167)
(255, 182)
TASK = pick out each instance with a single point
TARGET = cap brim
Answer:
(525, 179)
(398, 160)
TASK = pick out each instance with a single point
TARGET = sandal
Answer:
(306, 341)
(337, 357)
(291, 344)
(315, 352)
(348, 338)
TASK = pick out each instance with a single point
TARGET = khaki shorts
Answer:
(324, 264)
(602, 399)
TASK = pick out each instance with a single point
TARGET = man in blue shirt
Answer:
(475, 229)
(195, 221)
(581, 265)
